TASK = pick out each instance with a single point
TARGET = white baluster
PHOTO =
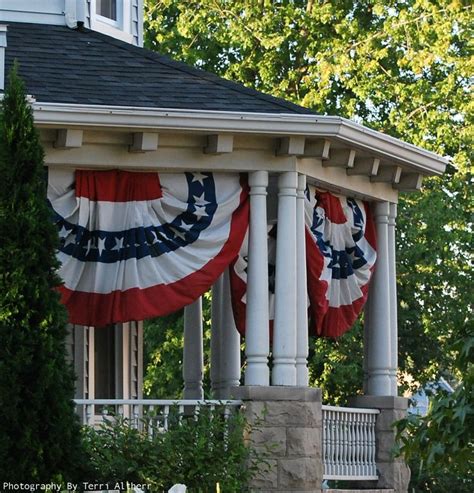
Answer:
(89, 413)
(149, 420)
(333, 443)
(345, 431)
(358, 446)
(372, 444)
(365, 445)
(136, 416)
(166, 413)
(325, 440)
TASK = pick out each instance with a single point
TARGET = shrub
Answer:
(198, 451)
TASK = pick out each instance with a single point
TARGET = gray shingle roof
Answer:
(62, 65)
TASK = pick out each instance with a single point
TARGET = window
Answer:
(107, 8)
(104, 357)
(114, 18)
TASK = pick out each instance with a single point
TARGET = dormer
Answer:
(121, 19)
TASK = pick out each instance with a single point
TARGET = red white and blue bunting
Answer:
(139, 245)
(340, 255)
(238, 280)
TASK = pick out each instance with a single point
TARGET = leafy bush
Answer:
(439, 446)
(199, 451)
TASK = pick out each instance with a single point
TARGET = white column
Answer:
(284, 327)
(230, 352)
(378, 326)
(257, 325)
(302, 290)
(193, 352)
(216, 336)
(225, 341)
(393, 298)
(365, 385)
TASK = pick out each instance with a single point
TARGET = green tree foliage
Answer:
(39, 434)
(440, 445)
(401, 67)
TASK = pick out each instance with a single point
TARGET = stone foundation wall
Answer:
(286, 428)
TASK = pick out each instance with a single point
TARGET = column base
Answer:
(286, 430)
(393, 473)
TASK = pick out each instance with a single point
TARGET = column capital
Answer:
(287, 183)
(258, 179)
(381, 211)
(392, 216)
(301, 186)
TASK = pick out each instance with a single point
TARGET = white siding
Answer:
(35, 11)
(130, 28)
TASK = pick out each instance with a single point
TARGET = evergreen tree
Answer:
(39, 432)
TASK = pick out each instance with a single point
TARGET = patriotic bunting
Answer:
(340, 254)
(340, 257)
(138, 245)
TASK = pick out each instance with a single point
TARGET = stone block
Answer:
(266, 476)
(288, 413)
(303, 442)
(395, 475)
(387, 418)
(255, 412)
(311, 490)
(302, 473)
(358, 491)
(379, 402)
(270, 441)
(385, 446)
(280, 393)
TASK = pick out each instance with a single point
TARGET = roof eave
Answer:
(275, 124)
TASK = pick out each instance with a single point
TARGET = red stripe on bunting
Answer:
(96, 309)
(332, 207)
(339, 320)
(316, 288)
(238, 289)
(370, 232)
(117, 185)
(327, 321)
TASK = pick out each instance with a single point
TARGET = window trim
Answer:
(119, 29)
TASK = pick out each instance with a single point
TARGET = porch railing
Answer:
(152, 414)
(349, 443)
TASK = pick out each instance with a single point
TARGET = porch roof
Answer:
(81, 79)
(81, 66)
